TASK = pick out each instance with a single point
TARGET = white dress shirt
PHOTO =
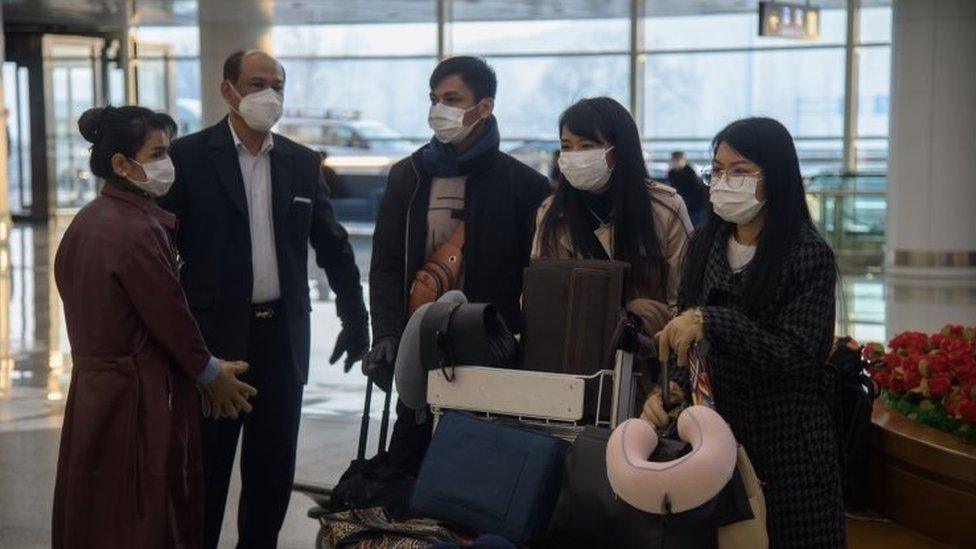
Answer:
(256, 172)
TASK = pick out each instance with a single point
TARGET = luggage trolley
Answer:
(553, 402)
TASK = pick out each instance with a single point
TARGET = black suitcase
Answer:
(365, 482)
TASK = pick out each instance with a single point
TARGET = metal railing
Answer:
(850, 210)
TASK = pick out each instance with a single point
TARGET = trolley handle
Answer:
(648, 344)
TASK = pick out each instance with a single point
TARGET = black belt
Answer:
(266, 311)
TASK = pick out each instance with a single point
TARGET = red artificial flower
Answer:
(909, 343)
(896, 384)
(936, 340)
(965, 370)
(953, 401)
(873, 351)
(953, 330)
(882, 378)
(934, 365)
(967, 411)
(913, 378)
(955, 347)
(892, 360)
(939, 386)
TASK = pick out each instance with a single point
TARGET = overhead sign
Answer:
(789, 20)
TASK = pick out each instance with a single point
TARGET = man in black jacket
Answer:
(249, 203)
(460, 176)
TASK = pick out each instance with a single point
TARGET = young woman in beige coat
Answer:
(606, 207)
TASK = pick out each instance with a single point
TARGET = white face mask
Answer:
(448, 123)
(586, 170)
(260, 110)
(736, 205)
(160, 175)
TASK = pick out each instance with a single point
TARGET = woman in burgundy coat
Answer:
(129, 468)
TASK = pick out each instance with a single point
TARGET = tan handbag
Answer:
(747, 534)
(439, 275)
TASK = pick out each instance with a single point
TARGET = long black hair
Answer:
(634, 238)
(768, 144)
(119, 130)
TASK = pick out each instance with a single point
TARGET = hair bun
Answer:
(89, 124)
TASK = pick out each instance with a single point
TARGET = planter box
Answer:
(923, 478)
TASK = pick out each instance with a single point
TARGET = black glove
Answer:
(353, 341)
(380, 361)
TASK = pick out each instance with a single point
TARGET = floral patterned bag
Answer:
(373, 529)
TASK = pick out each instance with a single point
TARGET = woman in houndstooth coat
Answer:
(758, 293)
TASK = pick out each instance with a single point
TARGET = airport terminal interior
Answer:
(880, 98)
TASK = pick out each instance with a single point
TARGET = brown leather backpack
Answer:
(440, 274)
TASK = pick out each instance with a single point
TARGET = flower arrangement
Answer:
(930, 378)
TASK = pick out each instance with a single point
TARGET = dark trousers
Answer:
(410, 440)
(268, 448)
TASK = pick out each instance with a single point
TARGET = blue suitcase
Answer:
(490, 478)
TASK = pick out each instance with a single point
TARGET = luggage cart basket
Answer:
(553, 402)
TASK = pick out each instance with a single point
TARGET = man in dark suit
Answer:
(249, 203)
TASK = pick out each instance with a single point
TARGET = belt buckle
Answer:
(264, 314)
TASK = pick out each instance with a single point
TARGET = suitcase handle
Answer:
(364, 425)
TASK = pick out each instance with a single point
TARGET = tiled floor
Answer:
(35, 369)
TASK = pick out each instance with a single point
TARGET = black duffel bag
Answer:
(588, 513)
(853, 401)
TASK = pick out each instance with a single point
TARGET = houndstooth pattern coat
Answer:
(770, 384)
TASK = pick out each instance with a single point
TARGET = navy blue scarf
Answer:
(443, 160)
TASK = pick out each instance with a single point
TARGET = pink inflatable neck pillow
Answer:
(684, 483)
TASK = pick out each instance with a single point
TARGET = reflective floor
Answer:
(35, 370)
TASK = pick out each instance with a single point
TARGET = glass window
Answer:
(538, 10)
(875, 24)
(695, 95)
(355, 40)
(188, 110)
(494, 37)
(532, 92)
(391, 91)
(17, 104)
(185, 40)
(874, 88)
(152, 83)
(872, 154)
(304, 132)
(690, 97)
(666, 30)
(183, 43)
(340, 136)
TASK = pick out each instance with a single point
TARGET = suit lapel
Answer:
(225, 160)
(282, 188)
